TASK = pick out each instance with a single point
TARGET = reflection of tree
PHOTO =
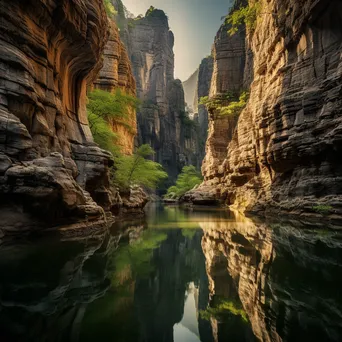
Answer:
(112, 317)
(134, 259)
(222, 308)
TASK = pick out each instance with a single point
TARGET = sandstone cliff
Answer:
(50, 166)
(282, 152)
(117, 74)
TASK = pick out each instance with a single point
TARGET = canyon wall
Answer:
(196, 87)
(117, 74)
(282, 152)
(162, 121)
(49, 165)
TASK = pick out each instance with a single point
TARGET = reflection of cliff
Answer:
(287, 280)
(47, 287)
(160, 298)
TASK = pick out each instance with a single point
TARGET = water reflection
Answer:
(182, 276)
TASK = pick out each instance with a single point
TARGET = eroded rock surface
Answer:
(161, 118)
(49, 52)
(117, 74)
(284, 151)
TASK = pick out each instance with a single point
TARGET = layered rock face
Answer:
(117, 74)
(284, 152)
(161, 118)
(196, 87)
(203, 87)
(49, 52)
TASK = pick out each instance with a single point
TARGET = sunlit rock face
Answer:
(49, 52)
(116, 73)
(280, 273)
(284, 152)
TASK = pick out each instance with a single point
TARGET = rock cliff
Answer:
(196, 87)
(162, 121)
(49, 165)
(117, 74)
(282, 152)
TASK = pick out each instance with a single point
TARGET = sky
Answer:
(194, 24)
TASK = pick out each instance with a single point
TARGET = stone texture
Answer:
(284, 153)
(197, 86)
(117, 74)
(49, 52)
(204, 80)
(150, 44)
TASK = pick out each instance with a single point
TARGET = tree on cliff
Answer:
(186, 181)
(138, 169)
(103, 108)
(244, 15)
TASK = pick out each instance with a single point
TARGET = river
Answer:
(184, 276)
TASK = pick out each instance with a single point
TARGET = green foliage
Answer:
(244, 15)
(188, 233)
(186, 181)
(134, 259)
(131, 24)
(235, 107)
(226, 104)
(102, 133)
(150, 11)
(322, 209)
(104, 107)
(138, 170)
(111, 105)
(109, 8)
(222, 308)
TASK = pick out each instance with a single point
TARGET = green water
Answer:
(185, 276)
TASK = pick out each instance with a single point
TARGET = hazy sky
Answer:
(194, 24)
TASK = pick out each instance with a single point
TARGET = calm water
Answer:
(178, 276)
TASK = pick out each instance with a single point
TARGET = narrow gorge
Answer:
(170, 176)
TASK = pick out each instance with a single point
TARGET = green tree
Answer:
(186, 181)
(109, 8)
(102, 133)
(109, 105)
(105, 108)
(244, 15)
(138, 169)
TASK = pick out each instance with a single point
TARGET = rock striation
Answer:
(50, 166)
(162, 121)
(117, 74)
(195, 88)
(282, 152)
